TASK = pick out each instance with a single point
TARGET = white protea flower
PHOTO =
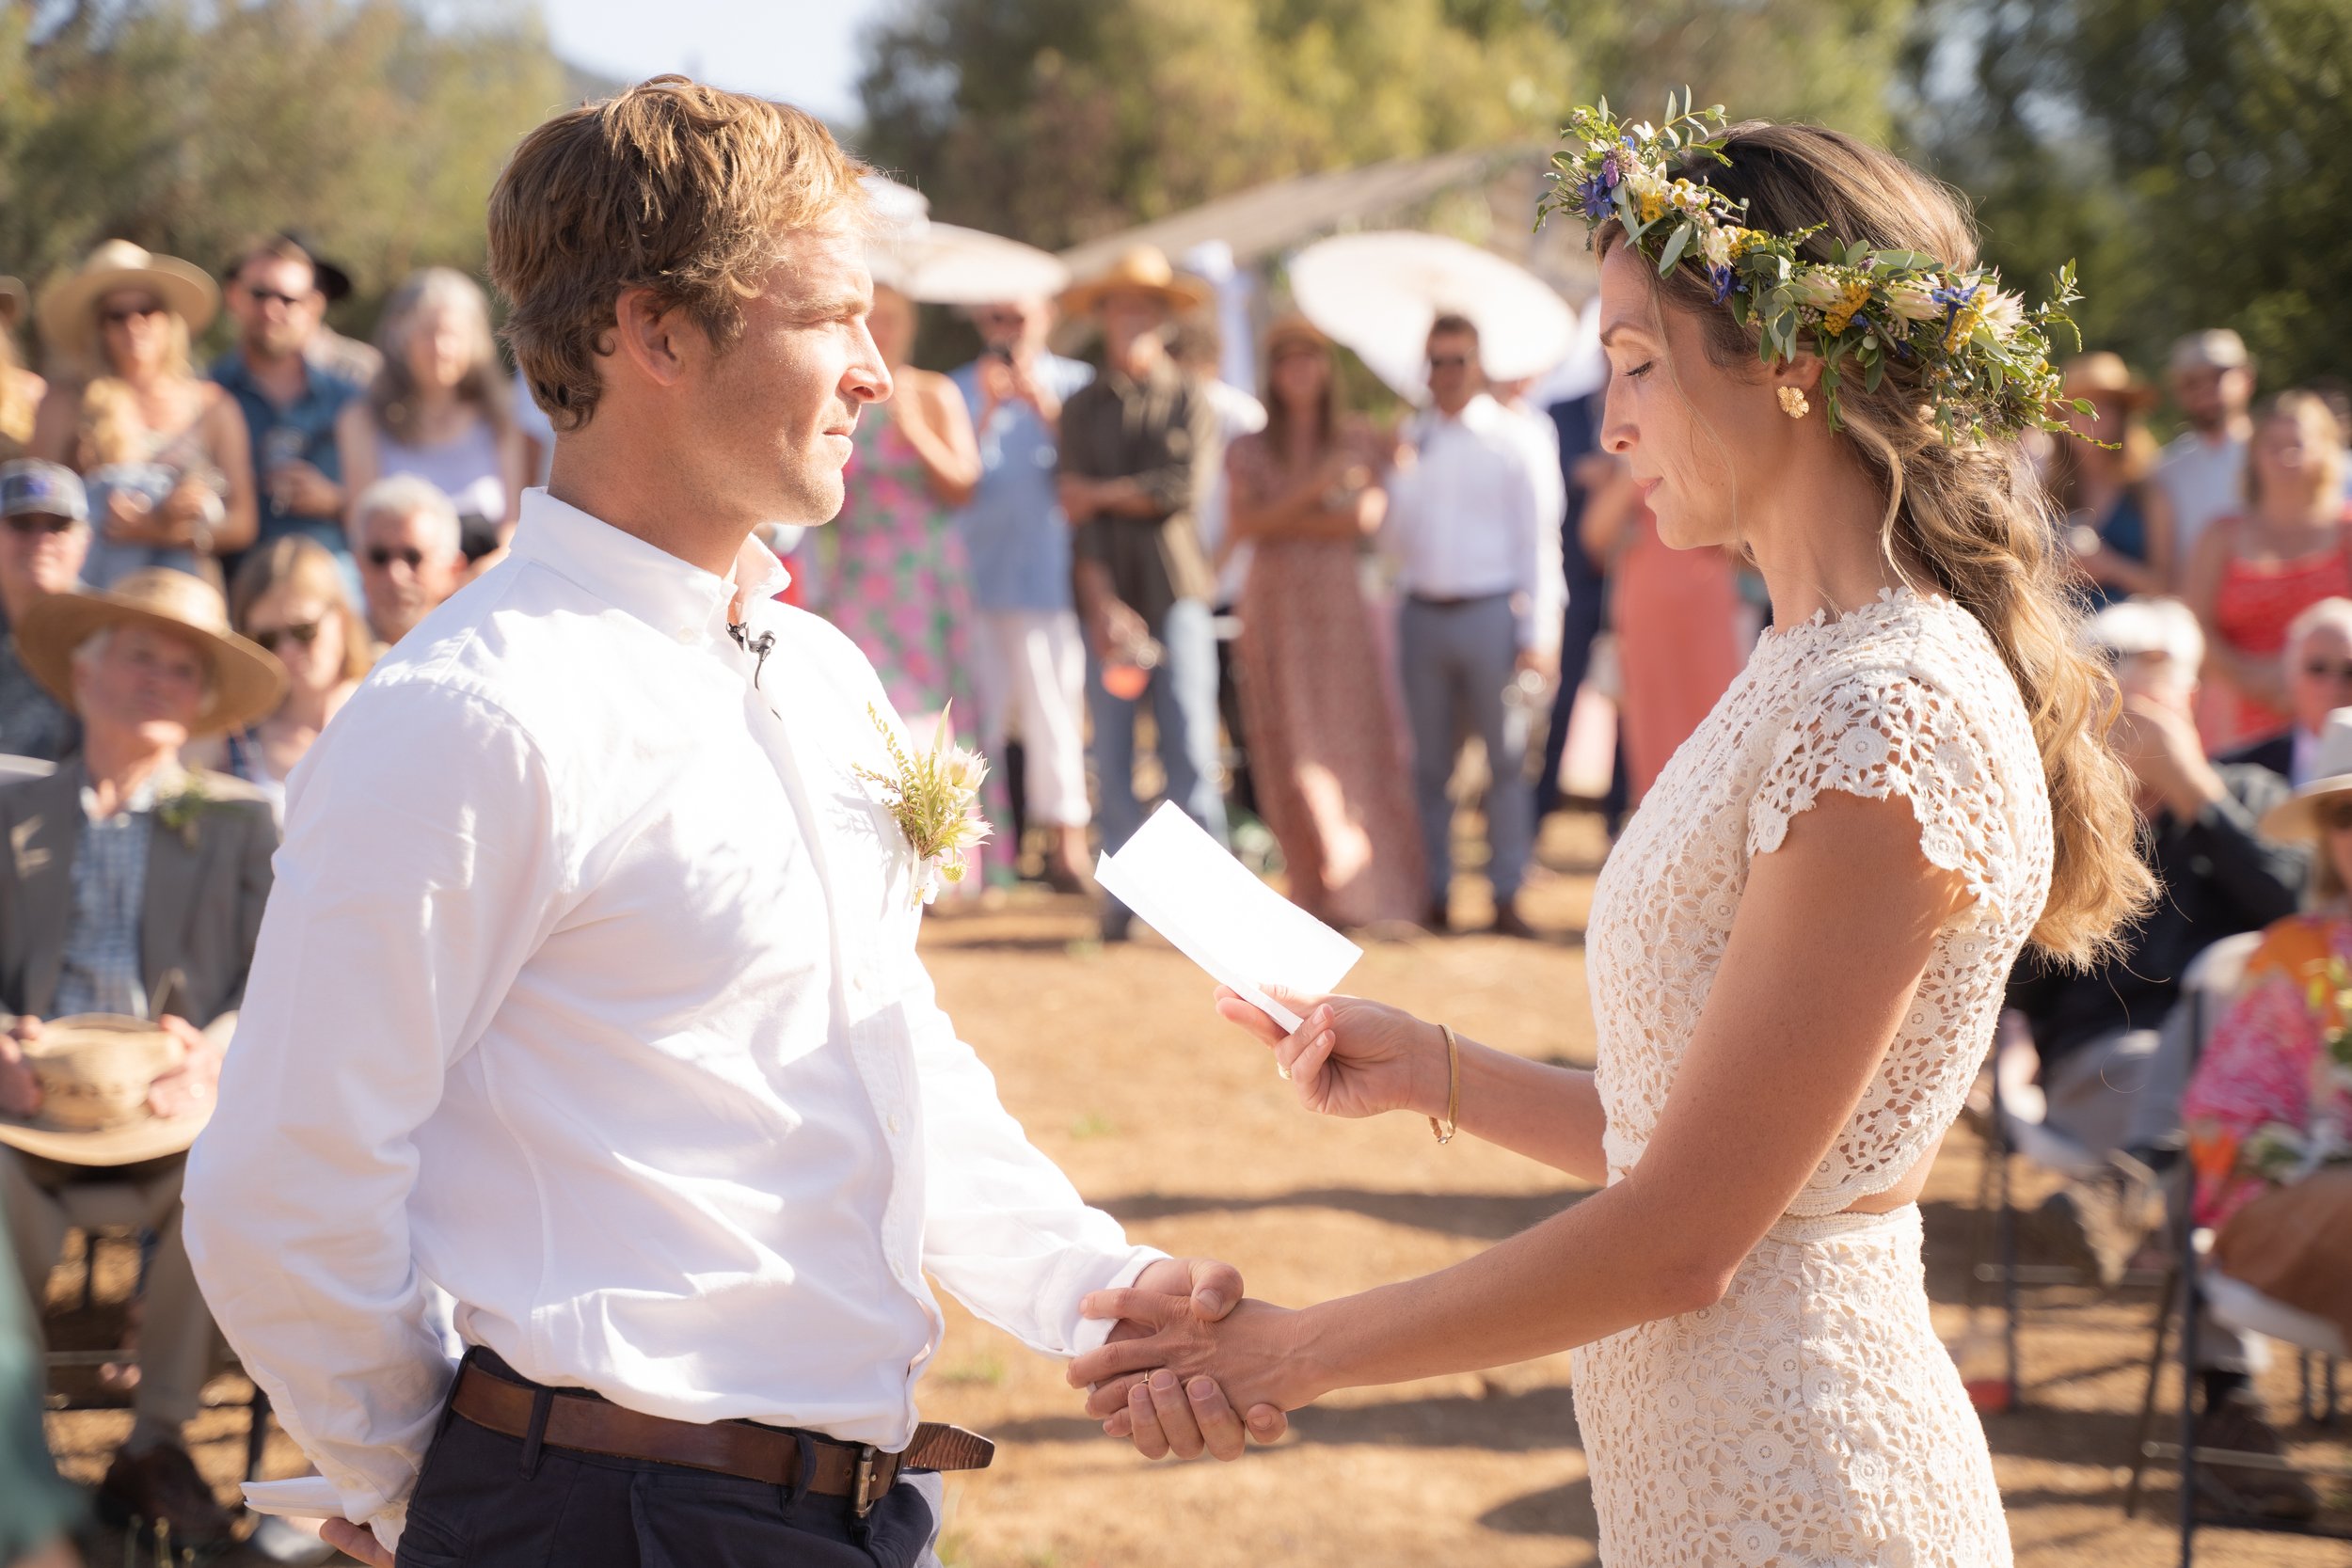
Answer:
(1914, 300)
(2004, 313)
(1818, 287)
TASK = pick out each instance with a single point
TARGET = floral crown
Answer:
(1983, 358)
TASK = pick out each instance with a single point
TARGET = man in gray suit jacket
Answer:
(131, 885)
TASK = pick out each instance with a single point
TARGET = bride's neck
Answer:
(1816, 542)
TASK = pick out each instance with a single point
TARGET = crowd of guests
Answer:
(1291, 609)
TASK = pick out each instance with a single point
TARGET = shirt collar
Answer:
(673, 596)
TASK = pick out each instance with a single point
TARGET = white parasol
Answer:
(1378, 293)
(943, 263)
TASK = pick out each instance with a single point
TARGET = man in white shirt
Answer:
(589, 991)
(2203, 470)
(1474, 525)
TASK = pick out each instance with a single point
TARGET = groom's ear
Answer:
(655, 340)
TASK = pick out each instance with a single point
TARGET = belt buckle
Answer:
(861, 1479)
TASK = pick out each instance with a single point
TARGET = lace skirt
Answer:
(1809, 1420)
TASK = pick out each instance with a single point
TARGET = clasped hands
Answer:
(1177, 1366)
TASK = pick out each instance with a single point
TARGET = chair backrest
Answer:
(2211, 983)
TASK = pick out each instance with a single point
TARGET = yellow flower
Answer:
(1857, 294)
(1963, 325)
(1649, 196)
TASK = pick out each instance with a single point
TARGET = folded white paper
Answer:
(1188, 888)
(302, 1498)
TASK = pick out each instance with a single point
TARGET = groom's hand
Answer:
(1167, 1418)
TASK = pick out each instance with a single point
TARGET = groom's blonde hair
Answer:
(672, 185)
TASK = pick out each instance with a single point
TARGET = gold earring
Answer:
(1793, 403)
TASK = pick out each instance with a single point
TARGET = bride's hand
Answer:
(1251, 1358)
(1349, 1057)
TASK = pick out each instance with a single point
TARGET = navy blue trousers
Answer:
(483, 1501)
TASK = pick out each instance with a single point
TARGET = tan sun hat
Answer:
(1141, 270)
(67, 305)
(2297, 816)
(1293, 326)
(95, 1070)
(13, 298)
(2104, 373)
(247, 680)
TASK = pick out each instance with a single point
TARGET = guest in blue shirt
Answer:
(290, 402)
(1031, 659)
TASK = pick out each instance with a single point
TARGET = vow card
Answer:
(1190, 889)
(302, 1498)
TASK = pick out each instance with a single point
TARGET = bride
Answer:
(1798, 948)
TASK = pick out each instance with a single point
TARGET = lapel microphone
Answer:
(759, 647)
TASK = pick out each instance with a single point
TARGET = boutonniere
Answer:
(179, 809)
(931, 798)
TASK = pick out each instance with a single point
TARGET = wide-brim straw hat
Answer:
(2104, 374)
(14, 297)
(95, 1071)
(1142, 270)
(2297, 816)
(247, 680)
(1291, 326)
(67, 304)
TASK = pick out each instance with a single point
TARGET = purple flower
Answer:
(1726, 280)
(1593, 197)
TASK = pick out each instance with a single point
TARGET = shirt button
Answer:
(897, 1124)
(685, 634)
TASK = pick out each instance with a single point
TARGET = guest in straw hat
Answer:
(166, 451)
(131, 889)
(2119, 521)
(20, 391)
(1137, 445)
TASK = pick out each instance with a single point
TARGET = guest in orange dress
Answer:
(1324, 750)
(2252, 575)
(1676, 617)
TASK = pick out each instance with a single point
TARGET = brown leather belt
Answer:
(588, 1424)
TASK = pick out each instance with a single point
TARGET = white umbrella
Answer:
(1378, 293)
(941, 264)
(945, 264)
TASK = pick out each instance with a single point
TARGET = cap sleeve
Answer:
(1881, 734)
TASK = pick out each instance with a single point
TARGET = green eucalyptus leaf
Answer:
(1675, 243)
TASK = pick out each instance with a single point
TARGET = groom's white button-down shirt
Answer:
(588, 992)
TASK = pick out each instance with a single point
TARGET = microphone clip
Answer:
(759, 647)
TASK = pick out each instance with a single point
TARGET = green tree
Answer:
(186, 127)
(2196, 154)
(1059, 120)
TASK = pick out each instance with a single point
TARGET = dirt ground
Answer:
(1179, 1126)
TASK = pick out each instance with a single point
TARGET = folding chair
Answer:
(2193, 1291)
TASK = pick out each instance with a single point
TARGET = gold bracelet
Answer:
(1446, 1129)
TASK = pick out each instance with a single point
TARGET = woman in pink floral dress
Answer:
(1324, 746)
(891, 570)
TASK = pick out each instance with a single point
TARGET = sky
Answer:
(804, 52)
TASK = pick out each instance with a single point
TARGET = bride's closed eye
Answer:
(1639, 370)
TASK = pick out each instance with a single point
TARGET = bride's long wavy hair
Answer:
(1973, 515)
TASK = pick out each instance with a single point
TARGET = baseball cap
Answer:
(29, 486)
(2218, 349)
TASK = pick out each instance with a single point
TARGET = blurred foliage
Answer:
(2195, 155)
(1056, 120)
(186, 126)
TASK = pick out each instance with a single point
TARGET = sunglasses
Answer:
(380, 557)
(1448, 362)
(302, 634)
(2320, 669)
(121, 314)
(40, 522)
(270, 296)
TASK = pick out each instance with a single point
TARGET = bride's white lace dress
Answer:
(1812, 1418)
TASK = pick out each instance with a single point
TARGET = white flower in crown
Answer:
(2004, 315)
(1818, 287)
(931, 798)
(1914, 300)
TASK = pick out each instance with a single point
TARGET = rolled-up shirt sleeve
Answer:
(1003, 1229)
(417, 874)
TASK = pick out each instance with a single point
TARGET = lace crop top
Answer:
(1906, 695)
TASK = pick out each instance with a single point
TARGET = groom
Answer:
(588, 991)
